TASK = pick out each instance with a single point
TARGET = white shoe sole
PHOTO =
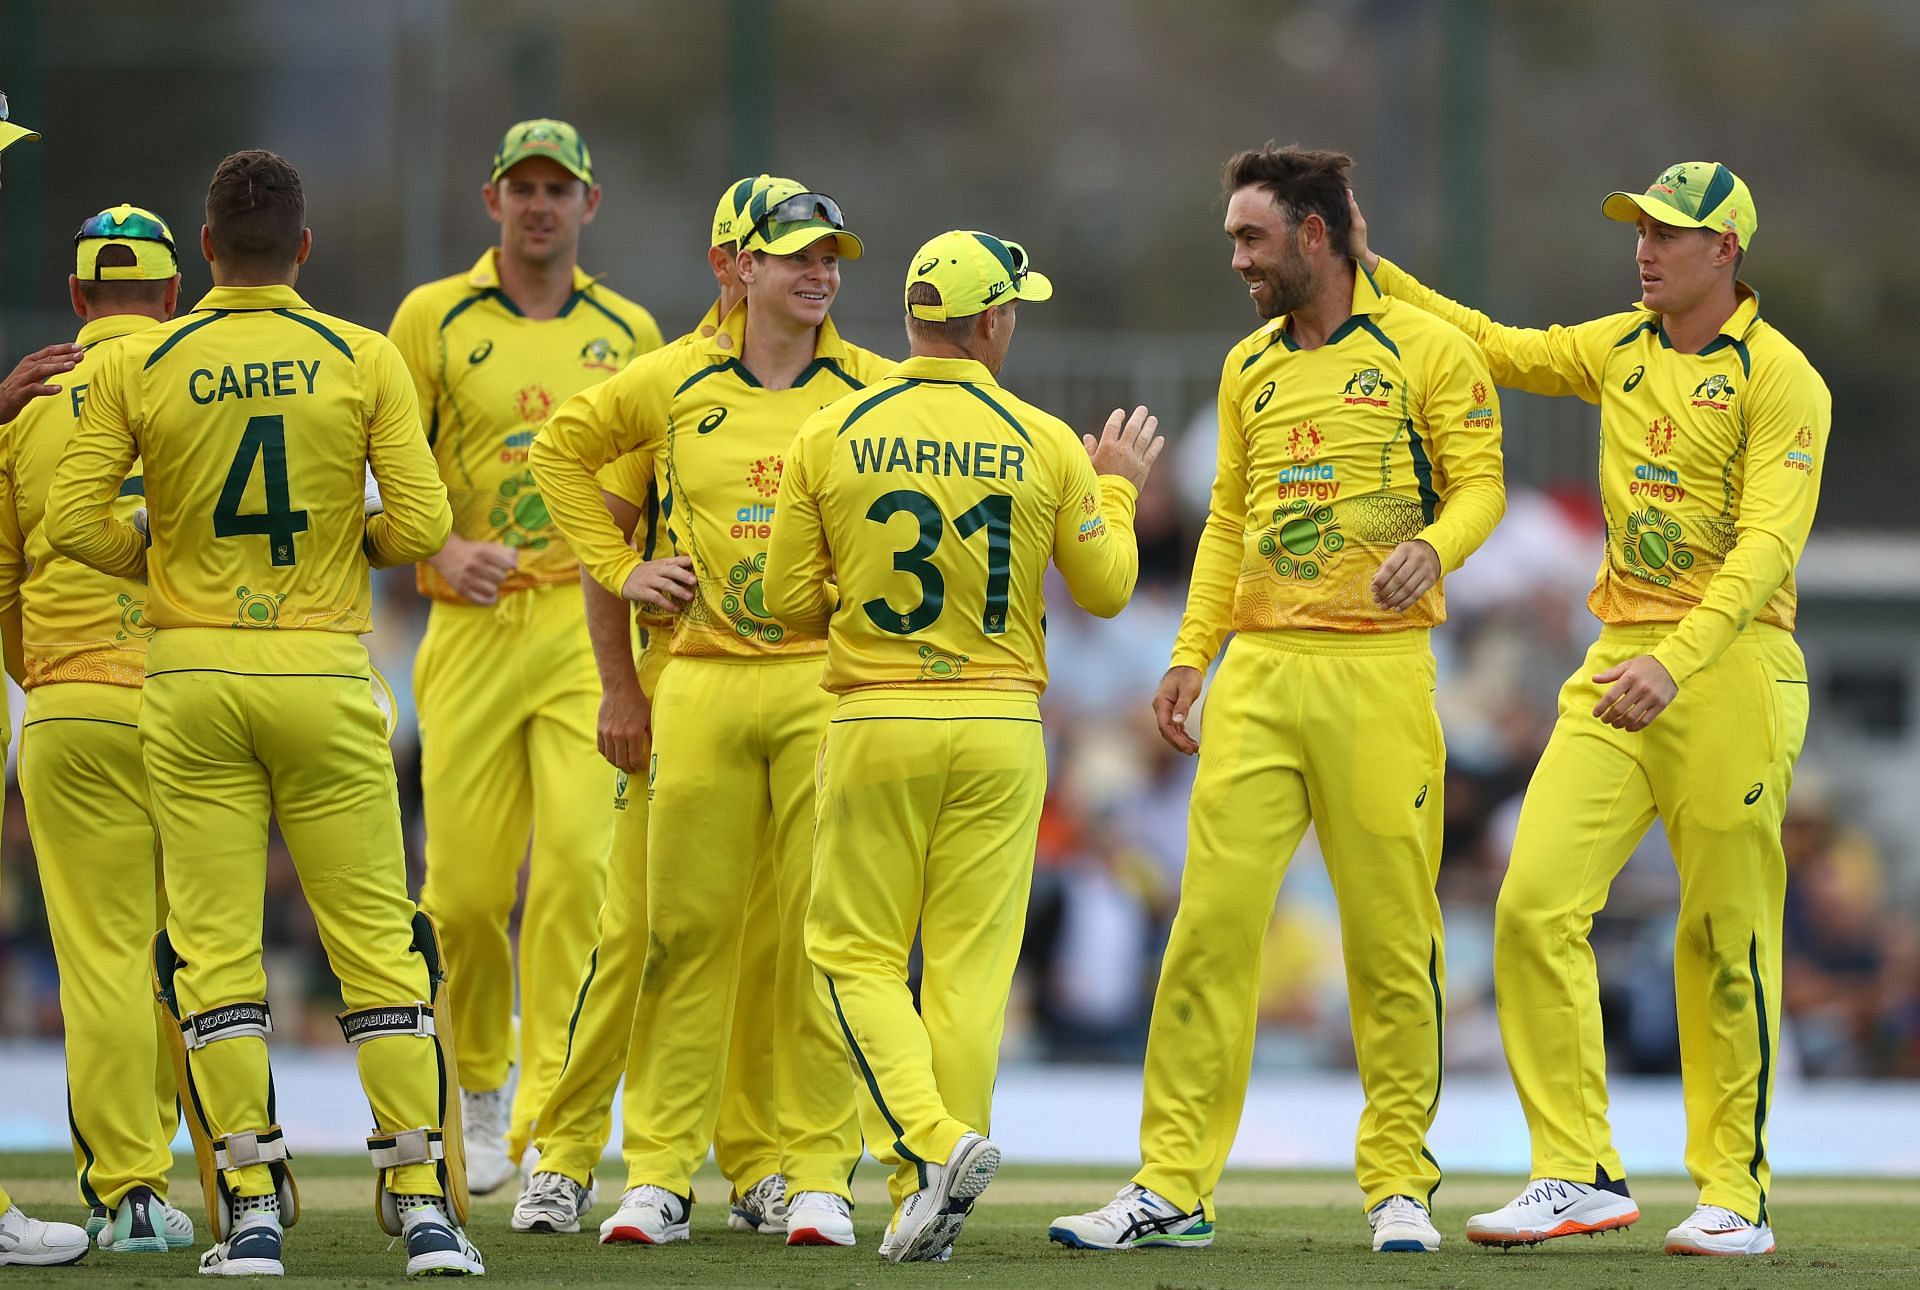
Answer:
(54, 1258)
(617, 1233)
(813, 1234)
(551, 1224)
(443, 1263)
(965, 1179)
(1507, 1237)
(1676, 1244)
(245, 1268)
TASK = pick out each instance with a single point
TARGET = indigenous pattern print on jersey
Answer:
(488, 378)
(1331, 457)
(1709, 462)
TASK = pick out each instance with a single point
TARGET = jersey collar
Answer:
(1367, 301)
(112, 326)
(729, 339)
(485, 275)
(709, 324)
(243, 298)
(958, 371)
(1744, 318)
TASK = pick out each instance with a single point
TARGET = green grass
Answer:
(1289, 1228)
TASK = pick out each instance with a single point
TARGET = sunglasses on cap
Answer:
(800, 208)
(134, 226)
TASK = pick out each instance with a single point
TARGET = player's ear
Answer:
(206, 243)
(306, 246)
(170, 302)
(593, 204)
(490, 194)
(743, 267)
(78, 301)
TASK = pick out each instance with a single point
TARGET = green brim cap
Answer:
(1691, 194)
(543, 137)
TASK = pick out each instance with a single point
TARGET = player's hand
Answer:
(28, 380)
(1127, 446)
(662, 586)
(1642, 689)
(1357, 239)
(626, 725)
(1406, 575)
(1178, 689)
(476, 569)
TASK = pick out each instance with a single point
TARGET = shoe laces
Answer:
(649, 1195)
(767, 1192)
(549, 1188)
(1717, 1218)
(1394, 1207)
(1543, 1190)
(820, 1200)
(1132, 1196)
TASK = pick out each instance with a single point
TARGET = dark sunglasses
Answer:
(800, 208)
(134, 226)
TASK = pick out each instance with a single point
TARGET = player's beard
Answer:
(1289, 284)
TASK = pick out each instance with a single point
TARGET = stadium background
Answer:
(1092, 130)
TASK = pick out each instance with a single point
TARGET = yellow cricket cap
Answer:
(784, 217)
(973, 272)
(10, 133)
(134, 227)
(543, 137)
(1691, 194)
(729, 217)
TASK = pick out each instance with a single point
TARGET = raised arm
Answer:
(1093, 543)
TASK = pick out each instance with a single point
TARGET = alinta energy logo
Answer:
(600, 355)
(1715, 392)
(1367, 386)
(1660, 435)
(1302, 540)
(1800, 456)
(1480, 415)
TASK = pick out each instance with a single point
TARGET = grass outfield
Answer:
(1294, 1228)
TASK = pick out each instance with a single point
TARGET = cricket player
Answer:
(936, 499)
(24, 1240)
(738, 715)
(571, 1130)
(1359, 460)
(505, 679)
(1691, 706)
(76, 642)
(255, 419)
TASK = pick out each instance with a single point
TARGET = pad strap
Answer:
(238, 1150)
(228, 1021)
(408, 1147)
(357, 1025)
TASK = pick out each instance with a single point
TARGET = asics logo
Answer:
(1753, 794)
(711, 422)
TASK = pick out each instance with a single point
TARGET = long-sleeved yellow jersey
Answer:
(254, 418)
(64, 621)
(715, 441)
(488, 377)
(935, 500)
(1709, 462)
(1331, 457)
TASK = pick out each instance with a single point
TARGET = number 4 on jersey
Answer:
(265, 438)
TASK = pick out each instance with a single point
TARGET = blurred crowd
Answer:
(1113, 838)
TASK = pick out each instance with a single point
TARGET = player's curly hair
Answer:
(256, 211)
(1303, 181)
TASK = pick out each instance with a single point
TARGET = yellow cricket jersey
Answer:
(488, 377)
(65, 621)
(714, 441)
(935, 500)
(254, 418)
(1709, 462)
(1331, 457)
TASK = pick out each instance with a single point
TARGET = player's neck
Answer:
(539, 291)
(776, 349)
(1332, 304)
(1691, 330)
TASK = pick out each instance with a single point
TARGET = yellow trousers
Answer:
(603, 1043)
(928, 813)
(235, 728)
(1715, 767)
(734, 750)
(508, 700)
(99, 857)
(1337, 729)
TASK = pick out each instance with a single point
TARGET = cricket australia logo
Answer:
(1654, 548)
(1660, 436)
(620, 790)
(1304, 440)
(939, 665)
(133, 619)
(600, 355)
(1302, 539)
(1367, 386)
(1715, 392)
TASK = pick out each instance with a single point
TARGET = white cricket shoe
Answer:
(762, 1207)
(819, 1218)
(144, 1224)
(1402, 1225)
(551, 1202)
(252, 1247)
(436, 1247)
(928, 1221)
(31, 1242)
(1714, 1229)
(483, 1129)
(648, 1215)
(1551, 1207)
(1134, 1219)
